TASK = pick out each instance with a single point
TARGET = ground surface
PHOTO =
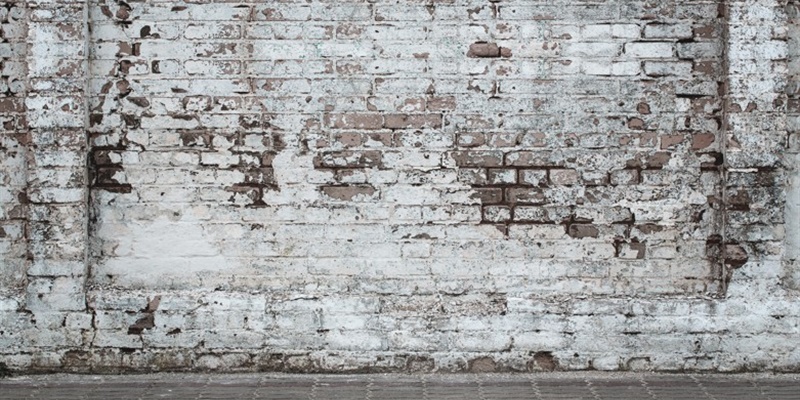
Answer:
(393, 386)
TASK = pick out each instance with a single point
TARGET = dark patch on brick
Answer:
(441, 103)
(668, 141)
(146, 33)
(123, 87)
(10, 105)
(124, 10)
(544, 361)
(714, 252)
(270, 362)
(75, 359)
(580, 231)
(95, 119)
(354, 121)
(483, 50)
(655, 160)
(148, 321)
(717, 160)
(263, 177)
(640, 248)
(278, 144)
(735, 255)
(102, 170)
(636, 124)
(131, 121)
(255, 191)
(197, 103)
(650, 228)
(348, 192)
(104, 179)
(501, 228)
(482, 364)
(152, 305)
(412, 121)
(417, 363)
(250, 122)
(739, 200)
(702, 141)
(195, 138)
(139, 101)
(106, 10)
(477, 158)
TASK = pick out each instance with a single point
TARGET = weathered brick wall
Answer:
(448, 185)
(792, 256)
(14, 142)
(370, 136)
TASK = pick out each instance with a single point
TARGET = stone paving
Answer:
(589, 385)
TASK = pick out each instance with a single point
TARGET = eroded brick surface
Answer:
(461, 185)
(317, 122)
(14, 148)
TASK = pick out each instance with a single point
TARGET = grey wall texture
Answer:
(440, 185)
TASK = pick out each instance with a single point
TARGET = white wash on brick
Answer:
(468, 185)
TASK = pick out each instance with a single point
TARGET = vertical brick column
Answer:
(792, 255)
(13, 148)
(57, 68)
(756, 143)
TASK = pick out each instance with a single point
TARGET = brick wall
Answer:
(401, 143)
(14, 142)
(448, 185)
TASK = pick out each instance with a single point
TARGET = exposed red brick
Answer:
(483, 50)
(441, 103)
(354, 121)
(580, 231)
(525, 195)
(488, 195)
(702, 141)
(668, 141)
(477, 158)
(412, 121)
(636, 123)
(348, 192)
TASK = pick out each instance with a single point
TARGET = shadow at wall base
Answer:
(122, 360)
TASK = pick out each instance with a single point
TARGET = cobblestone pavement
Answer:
(593, 385)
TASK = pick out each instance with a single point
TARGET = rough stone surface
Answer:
(458, 185)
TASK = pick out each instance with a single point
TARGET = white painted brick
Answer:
(649, 49)
(668, 31)
(535, 201)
